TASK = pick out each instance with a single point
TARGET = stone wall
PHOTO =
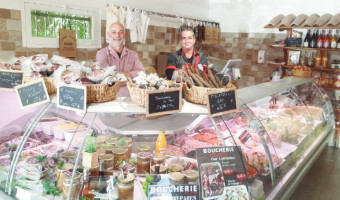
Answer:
(243, 46)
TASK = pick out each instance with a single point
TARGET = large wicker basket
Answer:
(302, 74)
(49, 82)
(138, 95)
(97, 93)
(198, 95)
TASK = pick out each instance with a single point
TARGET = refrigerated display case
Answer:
(280, 129)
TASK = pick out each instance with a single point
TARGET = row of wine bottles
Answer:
(322, 39)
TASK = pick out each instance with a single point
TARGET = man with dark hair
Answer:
(185, 55)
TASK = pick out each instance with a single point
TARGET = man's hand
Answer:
(127, 74)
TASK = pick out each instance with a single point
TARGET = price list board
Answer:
(222, 102)
(221, 170)
(72, 97)
(32, 93)
(164, 101)
(9, 79)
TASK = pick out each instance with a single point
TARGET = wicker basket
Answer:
(97, 93)
(138, 95)
(49, 82)
(198, 95)
(302, 74)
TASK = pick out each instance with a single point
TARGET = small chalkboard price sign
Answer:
(72, 97)
(222, 102)
(9, 79)
(163, 102)
(32, 93)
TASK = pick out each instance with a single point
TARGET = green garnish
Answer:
(90, 148)
(132, 162)
(147, 182)
(122, 142)
(41, 159)
(61, 165)
(119, 162)
(50, 189)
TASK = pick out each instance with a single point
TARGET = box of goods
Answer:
(39, 126)
(197, 83)
(102, 84)
(336, 82)
(142, 83)
(48, 126)
(58, 131)
(76, 133)
(316, 76)
(302, 71)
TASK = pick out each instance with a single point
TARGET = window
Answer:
(43, 21)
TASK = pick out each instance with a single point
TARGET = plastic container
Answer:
(39, 126)
(48, 126)
(58, 131)
(68, 134)
(191, 176)
(176, 178)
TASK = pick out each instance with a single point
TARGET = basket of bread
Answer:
(142, 83)
(197, 83)
(302, 71)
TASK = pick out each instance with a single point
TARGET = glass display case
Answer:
(279, 130)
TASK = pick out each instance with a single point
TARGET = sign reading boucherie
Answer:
(173, 192)
(67, 43)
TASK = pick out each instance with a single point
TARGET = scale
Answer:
(231, 71)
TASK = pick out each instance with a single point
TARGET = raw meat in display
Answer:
(174, 150)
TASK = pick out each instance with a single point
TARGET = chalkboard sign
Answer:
(72, 97)
(163, 101)
(32, 93)
(222, 102)
(9, 79)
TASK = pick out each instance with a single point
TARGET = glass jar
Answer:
(143, 164)
(67, 175)
(114, 136)
(175, 168)
(94, 171)
(191, 176)
(158, 159)
(143, 148)
(108, 148)
(59, 174)
(176, 178)
(162, 169)
(119, 154)
(111, 141)
(129, 141)
(108, 161)
(126, 186)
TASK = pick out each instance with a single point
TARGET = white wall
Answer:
(252, 15)
(188, 8)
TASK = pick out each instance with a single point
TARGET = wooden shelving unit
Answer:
(330, 88)
(313, 68)
(302, 27)
(304, 48)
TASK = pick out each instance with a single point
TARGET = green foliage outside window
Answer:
(47, 24)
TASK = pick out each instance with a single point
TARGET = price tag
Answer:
(32, 93)
(163, 101)
(222, 102)
(72, 97)
(9, 79)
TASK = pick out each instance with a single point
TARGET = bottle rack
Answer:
(289, 30)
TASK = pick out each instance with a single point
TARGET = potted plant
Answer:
(90, 155)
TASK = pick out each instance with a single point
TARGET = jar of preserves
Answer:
(143, 163)
(67, 175)
(107, 147)
(162, 169)
(143, 148)
(108, 161)
(191, 176)
(119, 155)
(59, 174)
(176, 178)
(125, 186)
(158, 159)
(129, 141)
(111, 141)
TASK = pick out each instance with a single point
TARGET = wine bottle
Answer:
(334, 40)
(313, 40)
(101, 184)
(307, 40)
(85, 190)
(320, 41)
(327, 40)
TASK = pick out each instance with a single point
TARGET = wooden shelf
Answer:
(313, 68)
(330, 88)
(304, 48)
(302, 27)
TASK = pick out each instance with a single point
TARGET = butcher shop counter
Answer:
(280, 129)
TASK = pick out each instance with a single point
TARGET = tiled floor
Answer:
(322, 182)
